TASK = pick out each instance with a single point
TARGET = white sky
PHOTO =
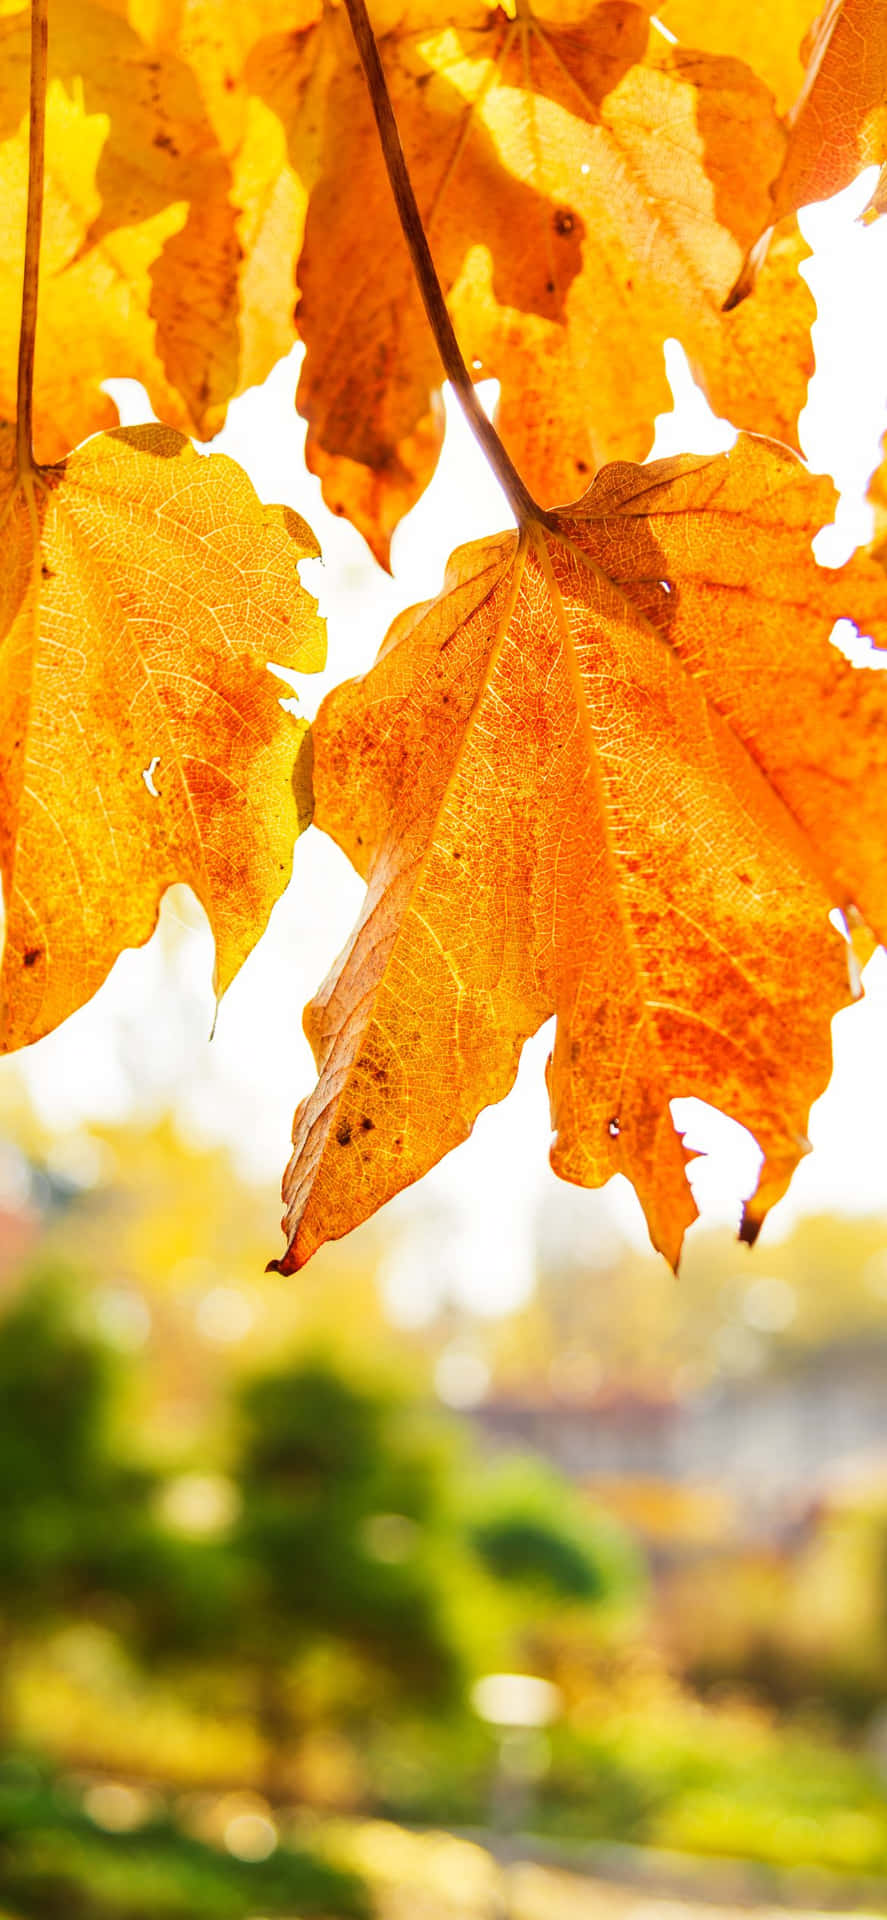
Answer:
(142, 1043)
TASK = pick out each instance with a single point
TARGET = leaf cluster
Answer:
(615, 771)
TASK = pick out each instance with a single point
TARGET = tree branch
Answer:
(31, 273)
(521, 501)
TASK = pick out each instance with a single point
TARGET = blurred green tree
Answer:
(341, 1541)
(80, 1533)
(63, 1497)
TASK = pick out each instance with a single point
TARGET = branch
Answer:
(521, 501)
(31, 274)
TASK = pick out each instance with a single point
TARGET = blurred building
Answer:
(771, 1439)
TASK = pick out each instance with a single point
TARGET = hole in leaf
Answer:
(730, 1157)
(148, 777)
(691, 427)
(613, 1129)
(858, 648)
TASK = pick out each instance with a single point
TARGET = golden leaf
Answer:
(217, 43)
(585, 197)
(768, 38)
(167, 255)
(369, 384)
(616, 772)
(839, 123)
(143, 592)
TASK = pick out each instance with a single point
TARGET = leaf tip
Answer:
(291, 1260)
(749, 1226)
(379, 544)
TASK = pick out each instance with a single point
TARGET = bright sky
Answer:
(143, 1042)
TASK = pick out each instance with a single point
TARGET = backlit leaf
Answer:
(142, 737)
(839, 124)
(268, 199)
(768, 38)
(168, 241)
(617, 773)
(586, 196)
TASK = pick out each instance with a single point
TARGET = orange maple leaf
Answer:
(587, 192)
(143, 592)
(615, 772)
(839, 121)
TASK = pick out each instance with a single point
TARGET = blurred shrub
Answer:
(56, 1865)
(530, 1527)
(723, 1783)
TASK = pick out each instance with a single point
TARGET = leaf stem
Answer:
(521, 501)
(31, 274)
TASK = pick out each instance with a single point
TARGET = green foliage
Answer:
(55, 1865)
(368, 1569)
(342, 1500)
(63, 1497)
(78, 1530)
(529, 1527)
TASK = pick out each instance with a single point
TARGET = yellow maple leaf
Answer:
(267, 197)
(143, 592)
(616, 772)
(768, 38)
(585, 195)
(169, 241)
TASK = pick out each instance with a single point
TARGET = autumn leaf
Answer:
(267, 198)
(216, 42)
(675, 160)
(768, 38)
(143, 592)
(839, 122)
(587, 193)
(169, 240)
(618, 773)
(188, 145)
(122, 183)
(369, 386)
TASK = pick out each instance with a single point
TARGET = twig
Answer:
(31, 274)
(521, 501)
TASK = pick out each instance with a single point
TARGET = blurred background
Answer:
(482, 1569)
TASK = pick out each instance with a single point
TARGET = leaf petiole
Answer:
(524, 507)
(34, 221)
